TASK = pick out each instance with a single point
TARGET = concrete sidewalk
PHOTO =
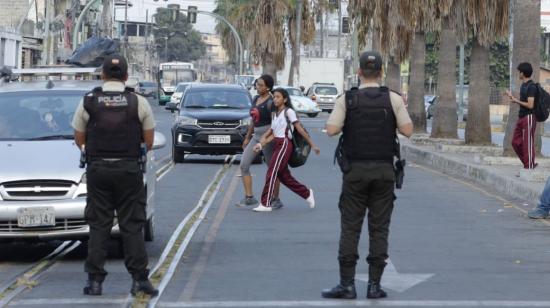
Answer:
(484, 165)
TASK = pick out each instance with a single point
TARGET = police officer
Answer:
(368, 118)
(111, 123)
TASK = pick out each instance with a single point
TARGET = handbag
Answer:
(301, 149)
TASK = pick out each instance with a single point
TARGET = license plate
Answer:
(36, 217)
(217, 139)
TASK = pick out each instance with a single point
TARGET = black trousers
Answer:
(116, 186)
(367, 188)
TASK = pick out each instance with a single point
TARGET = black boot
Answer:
(374, 290)
(344, 291)
(93, 287)
(144, 286)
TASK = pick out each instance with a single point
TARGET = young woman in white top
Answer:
(280, 133)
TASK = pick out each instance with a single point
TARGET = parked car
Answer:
(430, 102)
(301, 103)
(42, 189)
(148, 89)
(324, 94)
(213, 120)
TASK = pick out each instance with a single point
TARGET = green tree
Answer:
(184, 42)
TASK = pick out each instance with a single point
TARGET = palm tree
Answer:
(445, 119)
(417, 88)
(525, 15)
(486, 21)
(307, 34)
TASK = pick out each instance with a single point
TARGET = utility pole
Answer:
(322, 35)
(46, 42)
(126, 29)
(461, 83)
(146, 53)
(298, 44)
(339, 25)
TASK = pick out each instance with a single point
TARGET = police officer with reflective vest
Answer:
(368, 117)
(111, 123)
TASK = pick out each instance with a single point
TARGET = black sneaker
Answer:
(144, 286)
(339, 291)
(93, 288)
(277, 204)
(247, 201)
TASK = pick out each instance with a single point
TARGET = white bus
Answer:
(172, 73)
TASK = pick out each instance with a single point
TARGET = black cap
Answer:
(370, 60)
(115, 66)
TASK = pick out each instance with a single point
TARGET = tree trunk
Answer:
(393, 76)
(445, 116)
(478, 125)
(417, 109)
(524, 47)
(269, 66)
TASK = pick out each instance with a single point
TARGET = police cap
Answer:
(115, 66)
(370, 60)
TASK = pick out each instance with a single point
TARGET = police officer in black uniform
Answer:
(368, 118)
(111, 123)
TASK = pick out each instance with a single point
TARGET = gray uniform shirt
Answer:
(145, 113)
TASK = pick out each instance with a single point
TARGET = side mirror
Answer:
(171, 106)
(159, 141)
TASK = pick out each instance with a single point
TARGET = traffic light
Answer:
(345, 24)
(192, 14)
(175, 11)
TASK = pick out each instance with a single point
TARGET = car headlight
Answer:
(185, 120)
(246, 122)
(82, 189)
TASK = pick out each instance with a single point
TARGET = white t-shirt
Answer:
(279, 123)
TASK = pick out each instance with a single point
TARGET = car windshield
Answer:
(326, 91)
(181, 88)
(217, 99)
(38, 115)
(294, 92)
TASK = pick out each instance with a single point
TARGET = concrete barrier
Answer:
(483, 175)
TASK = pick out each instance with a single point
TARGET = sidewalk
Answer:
(484, 165)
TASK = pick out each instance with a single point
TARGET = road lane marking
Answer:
(316, 303)
(170, 256)
(204, 255)
(183, 246)
(483, 191)
(29, 278)
(399, 282)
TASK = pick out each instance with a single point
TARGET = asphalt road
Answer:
(451, 244)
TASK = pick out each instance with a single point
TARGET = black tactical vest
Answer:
(114, 129)
(370, 125)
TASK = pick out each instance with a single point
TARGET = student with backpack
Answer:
(284, 120)
(523, 140)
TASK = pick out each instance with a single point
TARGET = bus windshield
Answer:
(173, 77)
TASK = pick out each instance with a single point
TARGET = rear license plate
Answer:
(36, 217)
(219, 139)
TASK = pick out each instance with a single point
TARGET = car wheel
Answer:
(149, 230)
(312, 115)
(177, 156)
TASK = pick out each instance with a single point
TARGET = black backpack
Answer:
(542, 104)
(301, 149)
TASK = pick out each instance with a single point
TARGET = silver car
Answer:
(324, 94)
(42, 189)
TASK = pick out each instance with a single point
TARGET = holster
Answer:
(399, 165)
(340, 156)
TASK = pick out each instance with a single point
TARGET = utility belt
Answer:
(141, 159)
(398, 166)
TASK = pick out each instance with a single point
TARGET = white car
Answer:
(301, 103)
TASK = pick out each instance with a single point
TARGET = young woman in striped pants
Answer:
(280, 134)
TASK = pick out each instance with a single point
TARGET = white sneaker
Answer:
(311, 200)
(262, 208)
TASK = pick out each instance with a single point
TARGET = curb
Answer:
(479, 174)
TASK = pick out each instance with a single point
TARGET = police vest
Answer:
(114, 129)
(370, 125)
